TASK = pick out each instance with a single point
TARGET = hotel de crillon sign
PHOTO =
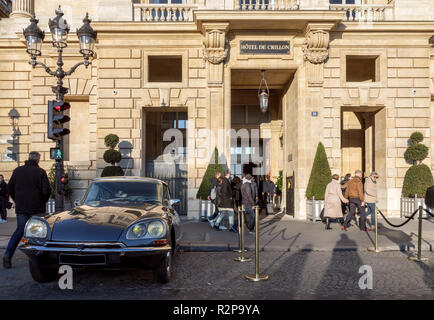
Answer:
(264, 47)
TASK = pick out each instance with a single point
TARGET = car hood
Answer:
(86, 223)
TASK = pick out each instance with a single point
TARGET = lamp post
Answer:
(59, 32)
(264, 94)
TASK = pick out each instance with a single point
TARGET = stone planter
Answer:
(313, 209)
(206, 208)
(409, 205)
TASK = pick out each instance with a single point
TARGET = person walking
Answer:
(268, 192)
(30, 189)
(226, 202)
(212, 196)
(371, 196)
(333, 200)
(255, 191)
(354, 194)
(4, 199)
(344, 185)
(248, 201)
(236, 189)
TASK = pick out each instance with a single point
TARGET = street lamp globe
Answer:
(34, 37)
(87, 36)
(59, 30)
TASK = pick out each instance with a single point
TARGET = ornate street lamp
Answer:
(59, 33)
(34, 37)
(263, 95)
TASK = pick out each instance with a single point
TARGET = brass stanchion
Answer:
(239, 231)
(256, 277)
(419, 240)
(376, 233)
(241, 258)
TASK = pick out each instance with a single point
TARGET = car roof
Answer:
(128, 178)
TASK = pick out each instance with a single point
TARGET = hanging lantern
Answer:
(263, 94)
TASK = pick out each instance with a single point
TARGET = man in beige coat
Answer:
(371, 196)
(333, 199)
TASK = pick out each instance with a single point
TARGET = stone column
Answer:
(311, 104)
(23, 8)
(215, 52)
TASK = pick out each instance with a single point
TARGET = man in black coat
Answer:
(226, 202)
(30, 189)
(248, 201)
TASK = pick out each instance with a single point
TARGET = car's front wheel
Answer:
(163, 272)
(41, 273)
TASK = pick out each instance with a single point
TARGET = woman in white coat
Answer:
(333, 199)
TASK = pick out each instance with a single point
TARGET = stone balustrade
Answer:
(364, 13)
(163, 12)
(267, 4)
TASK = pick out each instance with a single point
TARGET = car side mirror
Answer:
(174, 202)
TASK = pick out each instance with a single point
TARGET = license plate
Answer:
(82, 259)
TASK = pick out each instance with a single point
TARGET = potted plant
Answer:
(206, 208)
(279, 185)
(320, 176)
(418, 177)
(112, 156)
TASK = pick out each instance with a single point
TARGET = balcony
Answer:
(366, 13)
(168, 12)
(267, 5)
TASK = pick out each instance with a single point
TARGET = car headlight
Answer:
(36, 228)
(137, 231)
(146, 229)
(156, 229)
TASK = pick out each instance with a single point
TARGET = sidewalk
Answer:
(282, 233)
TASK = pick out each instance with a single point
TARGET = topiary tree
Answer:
(279, 182)
(418, 177)
(112, 156)
(211, 170)
(320, 175)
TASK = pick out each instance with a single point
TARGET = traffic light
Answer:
(56, 119)
(56, 154)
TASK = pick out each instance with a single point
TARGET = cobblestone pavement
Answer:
(301, 275)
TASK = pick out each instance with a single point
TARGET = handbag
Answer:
(321, 215)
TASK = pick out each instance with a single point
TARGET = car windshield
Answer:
(123, 193)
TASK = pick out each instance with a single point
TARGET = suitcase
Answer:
(270, 205)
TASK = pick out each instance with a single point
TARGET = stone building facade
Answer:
(356, 76)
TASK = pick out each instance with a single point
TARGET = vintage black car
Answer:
(121, 221)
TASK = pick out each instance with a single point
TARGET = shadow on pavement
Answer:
(340, 273)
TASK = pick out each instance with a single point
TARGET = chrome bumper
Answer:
(92, 248)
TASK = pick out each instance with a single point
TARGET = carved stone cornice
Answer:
(315, 48)
(215, 45)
